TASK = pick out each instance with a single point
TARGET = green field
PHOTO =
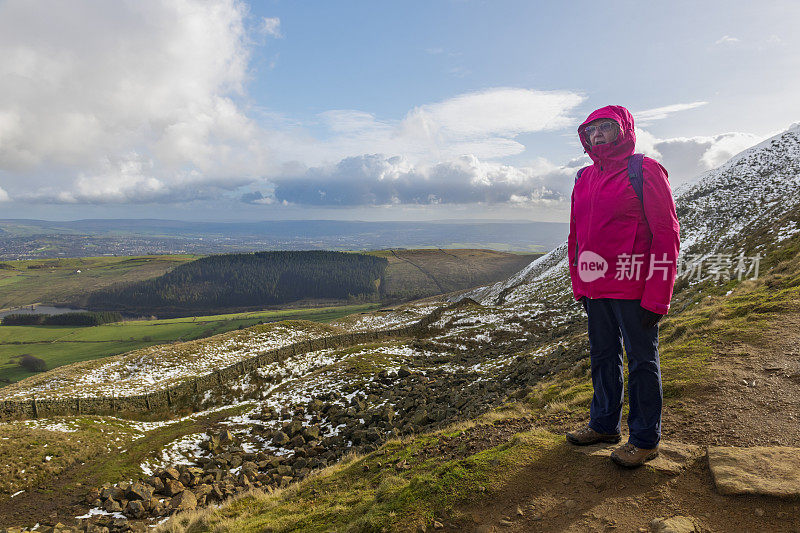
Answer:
(410, 274)
(62, 345)
(55, 281)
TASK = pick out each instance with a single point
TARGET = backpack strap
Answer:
(580, 171)
(636, 174)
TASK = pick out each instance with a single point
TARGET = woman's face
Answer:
(602, 131)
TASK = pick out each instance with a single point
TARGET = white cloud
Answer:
(774, 40)
(647, 116)
(726, 40)
(381, 180)
(91, 87)
(135, 102)
(131, 101)
(686, 158)
(483, 124)
(502, 111)
(271, 26)
(148, 108)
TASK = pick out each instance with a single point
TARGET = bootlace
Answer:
(629, 448)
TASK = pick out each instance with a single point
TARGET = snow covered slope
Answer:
(757, 190)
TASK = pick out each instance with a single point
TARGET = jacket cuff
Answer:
(661, 309)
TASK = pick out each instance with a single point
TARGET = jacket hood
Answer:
(618, 151)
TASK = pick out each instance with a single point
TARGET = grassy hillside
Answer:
(62, 345)
(510, 465)
(415, 274)
(234, 282)
(56, 281)
(478, 472)
(410, 274)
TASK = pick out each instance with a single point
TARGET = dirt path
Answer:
(451, 255)
(752, 399)
(754, 395)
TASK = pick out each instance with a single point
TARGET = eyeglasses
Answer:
(604, 127)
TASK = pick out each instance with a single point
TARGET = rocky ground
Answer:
(302, 415)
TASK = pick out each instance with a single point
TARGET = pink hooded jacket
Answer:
(620, 246)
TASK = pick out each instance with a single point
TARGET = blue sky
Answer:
(227, 110)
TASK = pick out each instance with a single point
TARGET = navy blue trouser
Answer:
(613, 322)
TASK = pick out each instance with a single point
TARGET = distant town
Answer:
(21, 239)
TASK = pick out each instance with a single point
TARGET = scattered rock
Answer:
(135, 509)
(280, 438)
(226, 437)
(156, 483)
(112, 506)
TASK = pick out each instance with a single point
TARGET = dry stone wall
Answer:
(186, 395)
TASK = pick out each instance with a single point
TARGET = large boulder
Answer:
(139, 491)
(185, 501)
(172, 487)
(764, 470)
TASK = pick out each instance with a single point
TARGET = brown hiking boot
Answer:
(630, 456)
(586, 435)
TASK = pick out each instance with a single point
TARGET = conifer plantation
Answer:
(248, 280)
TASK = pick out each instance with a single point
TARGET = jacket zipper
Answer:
(592, 191)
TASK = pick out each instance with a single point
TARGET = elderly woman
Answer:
(623, 250)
